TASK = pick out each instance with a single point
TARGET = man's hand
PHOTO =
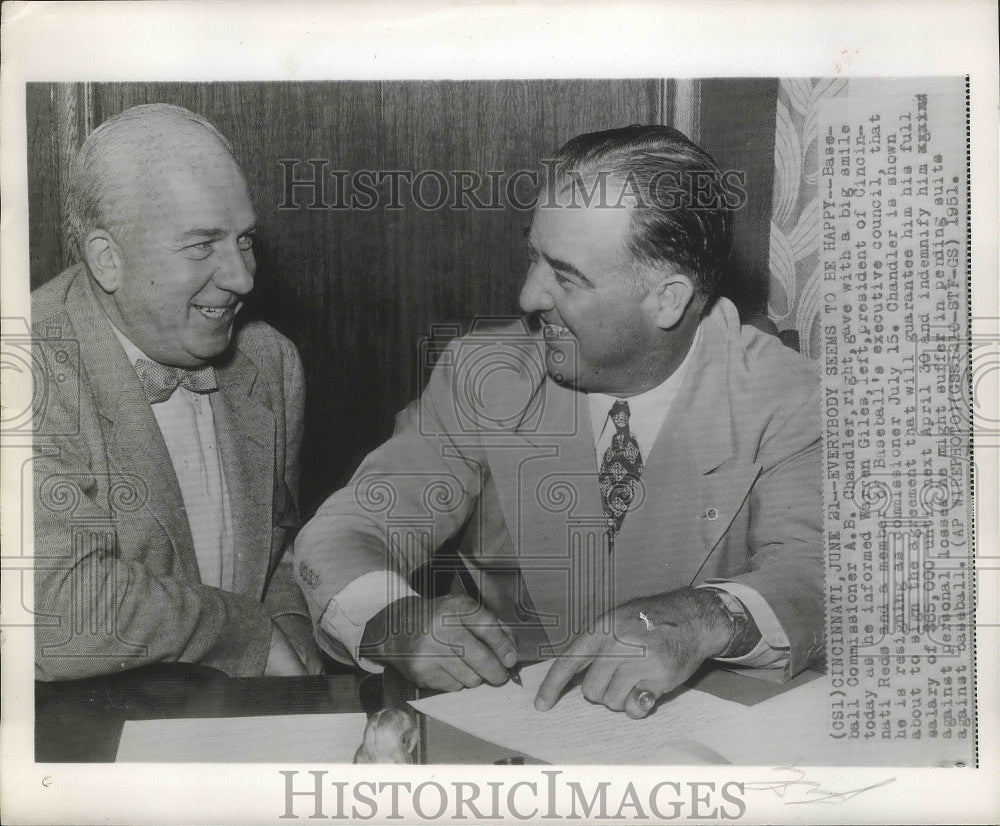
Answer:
(282, 661)
(654, 652)
(446, 643)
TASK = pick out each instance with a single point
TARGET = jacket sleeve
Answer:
(283, 597)
(407, 497)
(785, 534)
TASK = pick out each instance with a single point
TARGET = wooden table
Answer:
(81, 721)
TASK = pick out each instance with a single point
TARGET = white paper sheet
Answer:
(288, 738)
(574, 730)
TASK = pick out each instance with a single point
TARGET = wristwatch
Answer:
(739, 619)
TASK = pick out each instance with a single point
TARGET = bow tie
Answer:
(160, 381)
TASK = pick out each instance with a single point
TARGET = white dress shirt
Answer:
(188, 428)
(347, 614)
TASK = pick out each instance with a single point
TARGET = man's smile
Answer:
(554, 331)
(214, 313)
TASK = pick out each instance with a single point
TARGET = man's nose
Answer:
(535, 296)
(235, 273)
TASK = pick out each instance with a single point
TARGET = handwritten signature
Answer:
(813, 791)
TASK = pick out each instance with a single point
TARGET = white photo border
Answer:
(198, 41)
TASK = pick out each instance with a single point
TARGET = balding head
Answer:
(124, 158)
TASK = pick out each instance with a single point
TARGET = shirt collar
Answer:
(131, 349)
(648, 410)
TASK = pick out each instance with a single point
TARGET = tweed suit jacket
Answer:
(116, 575)
(500, 458)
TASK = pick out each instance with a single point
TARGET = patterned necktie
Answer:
(160, 381)
(620, 472)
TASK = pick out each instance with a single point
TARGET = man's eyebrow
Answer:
(565, 266)
(208, 233)
(558, 263)
(214, 233)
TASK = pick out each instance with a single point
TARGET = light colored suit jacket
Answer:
(116, 575)
(501, 458)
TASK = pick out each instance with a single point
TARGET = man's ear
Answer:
(674, 295)
(104, 259)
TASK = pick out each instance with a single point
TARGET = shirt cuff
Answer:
(773, 648)
(348, 613)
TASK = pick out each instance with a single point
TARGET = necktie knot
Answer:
(619, 416)
(159, 381)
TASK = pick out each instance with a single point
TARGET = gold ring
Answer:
(645, 699)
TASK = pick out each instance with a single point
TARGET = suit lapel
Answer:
(693, 485)
(135, 445)
(246, 429)
(684, 510)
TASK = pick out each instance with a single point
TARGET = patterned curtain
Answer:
(796, 281)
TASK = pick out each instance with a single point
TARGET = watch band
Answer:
(739, 619)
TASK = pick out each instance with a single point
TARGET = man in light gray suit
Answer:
(167, 436)
(632, 480)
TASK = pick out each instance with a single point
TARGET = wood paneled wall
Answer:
(356, 289)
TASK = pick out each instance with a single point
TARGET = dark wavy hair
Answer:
(682, 202)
